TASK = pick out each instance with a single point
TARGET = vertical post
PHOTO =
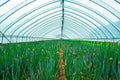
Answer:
(5, 37)
(62, 3)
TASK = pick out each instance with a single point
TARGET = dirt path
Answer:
(61, 73)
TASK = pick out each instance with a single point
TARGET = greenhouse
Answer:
(59, 39)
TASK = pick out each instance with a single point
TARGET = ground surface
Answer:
(61, 73)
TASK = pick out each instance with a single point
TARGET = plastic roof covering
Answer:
(28, 20)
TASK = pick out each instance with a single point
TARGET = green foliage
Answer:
(91, 60)
(84, 60)
(29, 61)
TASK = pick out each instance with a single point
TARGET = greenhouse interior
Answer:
(59, 39)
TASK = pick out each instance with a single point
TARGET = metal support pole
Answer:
(5, 37)
(62, 3)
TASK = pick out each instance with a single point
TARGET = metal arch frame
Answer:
(84, 6)
(91, 23)
(48, 30)
(45, 38)
(4, 3)
(18, 8)
(26, 14)
(82, 12)
(86, 23)
(74, 28)
(34, 21)
(37, 20)
(54, 29)
(111, 8)
(28, 20)
(107, 18)
(38, 29)
(117, 1)
(32, 28)
(34, 31)
(99, 22)
(105, 8)
(34, 24)
(29, 29)
(67, 31)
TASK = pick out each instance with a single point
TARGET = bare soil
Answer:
(61, 73)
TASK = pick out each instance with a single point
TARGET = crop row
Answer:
(29, 61)
(91, 60)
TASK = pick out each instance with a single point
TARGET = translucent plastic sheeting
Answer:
(34, 20)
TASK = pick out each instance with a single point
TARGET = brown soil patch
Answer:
(61, 73)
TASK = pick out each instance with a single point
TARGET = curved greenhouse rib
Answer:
(36, 28)
(28, 20)
(116, 15)
(111, 8)
(56, 29)
(30, 29)
(15, 9)
(91, 16)
(46, 29)
(89, 21)
(2, 3)
(91, 9)
(108, 9)
(76, 29)
(27, 14)
(37, 22)
(82, 23)
(71, 30)
(117, 1)
(77, 32)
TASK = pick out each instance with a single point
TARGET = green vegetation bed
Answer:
(84, 60)
(29, 61)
